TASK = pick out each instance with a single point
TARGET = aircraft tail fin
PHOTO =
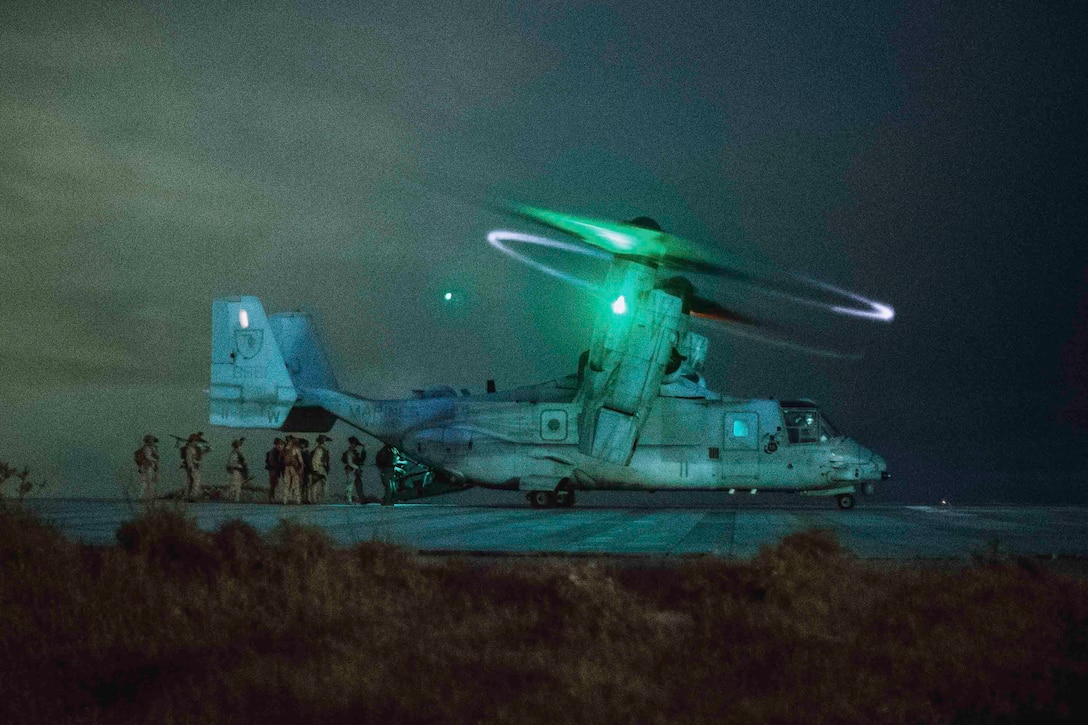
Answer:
(302, 351)
(250, 384)
(309, 368)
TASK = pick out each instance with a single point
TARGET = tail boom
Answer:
(270, 371)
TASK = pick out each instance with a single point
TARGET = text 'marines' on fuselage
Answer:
(636, 416)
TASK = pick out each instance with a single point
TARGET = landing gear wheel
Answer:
(564, 498)
(541, 499)
(868, 488)
(846, 501)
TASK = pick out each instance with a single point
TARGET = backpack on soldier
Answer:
(138, 457)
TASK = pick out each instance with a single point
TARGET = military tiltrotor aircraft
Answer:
(636, 416)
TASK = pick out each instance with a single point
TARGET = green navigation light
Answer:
(448, 296)
(620, 305)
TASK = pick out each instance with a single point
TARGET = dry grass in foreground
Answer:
(179, 625)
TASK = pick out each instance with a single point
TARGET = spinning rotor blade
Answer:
(642, 238)
(703, 307)
(708, 309)
(607, 235)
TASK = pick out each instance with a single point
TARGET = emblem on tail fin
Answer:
(247, 343)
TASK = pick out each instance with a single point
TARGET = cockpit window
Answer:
(827, 428)
(802, 426)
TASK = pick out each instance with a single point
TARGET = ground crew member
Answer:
(147, 465)
(319, 469)
(353, 459)
(237, 468)
(194, 450)
(273, 463)
(293, 467)
(386, 461)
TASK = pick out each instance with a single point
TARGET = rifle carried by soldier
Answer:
(179, 443)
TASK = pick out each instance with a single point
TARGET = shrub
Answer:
(25, 537)
(240, 546)
(298, 543)
(295, 628)
(170, 541)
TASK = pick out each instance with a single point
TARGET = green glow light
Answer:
(448, 296)
(627, 239)
(615, 237)
(620, 305)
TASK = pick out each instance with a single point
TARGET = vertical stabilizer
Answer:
(250, 384)
(302, 351)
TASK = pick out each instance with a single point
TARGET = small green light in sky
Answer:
(448, 296)
(620, 305)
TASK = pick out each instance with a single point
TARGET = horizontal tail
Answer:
(260, 366)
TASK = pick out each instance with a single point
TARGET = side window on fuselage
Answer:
(741, 431)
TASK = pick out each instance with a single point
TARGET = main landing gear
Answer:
(846, 501)
(561, 497)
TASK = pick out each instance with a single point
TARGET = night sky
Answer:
(325, 156)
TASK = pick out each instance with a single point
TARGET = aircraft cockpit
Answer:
(805, 423)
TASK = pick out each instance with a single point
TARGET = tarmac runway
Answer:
(874, 532)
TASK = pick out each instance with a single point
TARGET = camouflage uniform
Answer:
(195, 448)
(319, 469)
(292, 472)
(237, 468)
(307, 469)
(147, 464)
(353, 459)
(273, 463)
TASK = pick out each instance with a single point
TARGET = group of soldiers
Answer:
(192, 450)
(295, 473)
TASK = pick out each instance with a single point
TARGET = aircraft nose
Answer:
(853, 461)
(881, 466)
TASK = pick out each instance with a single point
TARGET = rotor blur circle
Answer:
(862, 307)
(500, 239)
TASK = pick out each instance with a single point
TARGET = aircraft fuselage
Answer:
(527, 439)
